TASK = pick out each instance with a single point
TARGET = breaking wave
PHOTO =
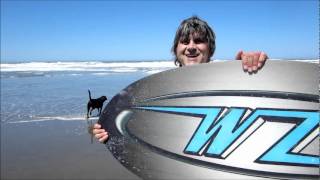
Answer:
(98, 68)
(54, 118)
(85, 66)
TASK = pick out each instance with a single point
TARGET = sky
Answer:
(81, 30)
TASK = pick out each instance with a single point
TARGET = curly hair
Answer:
(194, 26)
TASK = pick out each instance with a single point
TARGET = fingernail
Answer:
(250, 69)
(245, 67)
(255, 68)
(259, 65)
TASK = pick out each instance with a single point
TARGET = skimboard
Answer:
(213, 121)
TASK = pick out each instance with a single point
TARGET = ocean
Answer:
(43, 91)
(44, 133)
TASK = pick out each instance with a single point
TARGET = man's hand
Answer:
(252, 61)
(100, 134)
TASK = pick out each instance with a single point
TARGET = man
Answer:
(194, 43)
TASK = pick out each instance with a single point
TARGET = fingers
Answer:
(255, 61)
(247, 62)
(252, 61)
(97, 126)
(103, 138)
(99, 133)
(262, 58)
(244, 62)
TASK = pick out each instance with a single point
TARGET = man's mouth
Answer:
(192, 55)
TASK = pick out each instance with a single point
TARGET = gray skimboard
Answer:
(213, 121)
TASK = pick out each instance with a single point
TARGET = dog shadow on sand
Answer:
(90, 129)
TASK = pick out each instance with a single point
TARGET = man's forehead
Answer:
(193, 35)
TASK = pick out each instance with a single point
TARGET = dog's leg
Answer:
(90, 130)
(88, 109)
(99, 111)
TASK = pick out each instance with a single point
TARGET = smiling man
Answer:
(192, 50)
(194, 43)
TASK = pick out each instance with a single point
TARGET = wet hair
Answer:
(196, 27)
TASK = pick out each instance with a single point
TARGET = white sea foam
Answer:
(96, 67)
(54, 118)
(101, 73)
(153, 71)
(309, 61)
(84, 66)
(75, 74)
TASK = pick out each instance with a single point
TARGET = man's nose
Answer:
(191, 47)
(192, 50)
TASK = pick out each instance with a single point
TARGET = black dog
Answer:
(95, 103)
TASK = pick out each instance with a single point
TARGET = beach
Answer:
(44, 132)
(55, 150)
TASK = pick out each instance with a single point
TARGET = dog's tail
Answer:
(89, 94)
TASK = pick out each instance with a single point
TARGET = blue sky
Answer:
(144, 30)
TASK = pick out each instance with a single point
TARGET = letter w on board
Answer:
(219, 130)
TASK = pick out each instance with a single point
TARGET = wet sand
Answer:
(56, 150)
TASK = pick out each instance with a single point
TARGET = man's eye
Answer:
(199, 41)
(185, 42)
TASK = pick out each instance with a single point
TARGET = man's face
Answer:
(194, 50)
